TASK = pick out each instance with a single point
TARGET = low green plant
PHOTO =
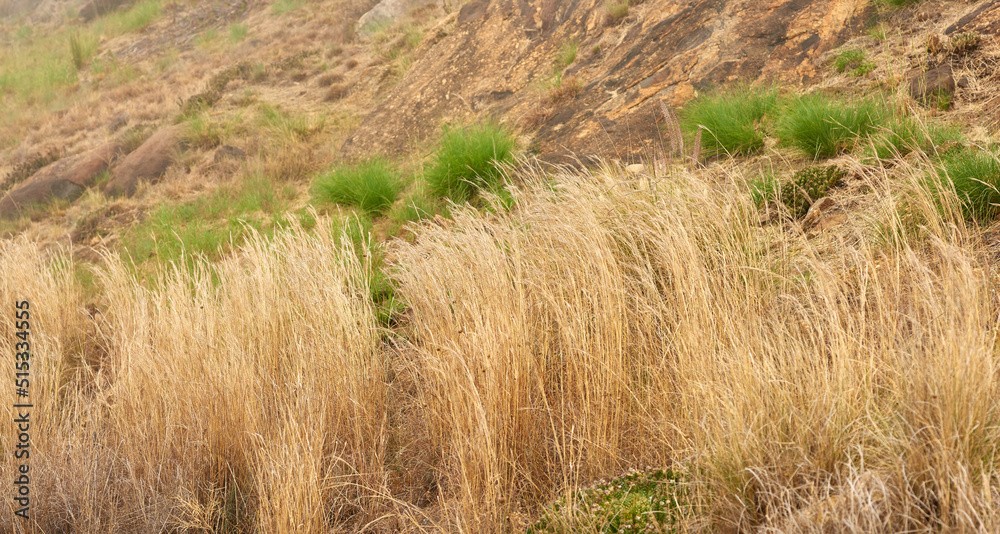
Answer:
(287, 126)
(974, 175)
(371, 185)
(567, 54)
(854, 62)
(141, 15)
(822, 127)
(467, 158)
(641, 501)
(807, 186)
(731, 121)
(284, 6)
(964, 43)
(763, 189)
(877, 31)
(238, 31)
(415, 207)
(207, 226)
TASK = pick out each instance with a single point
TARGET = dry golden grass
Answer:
(844, 382)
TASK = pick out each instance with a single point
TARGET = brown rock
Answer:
(19, 202)
(147, 163)
(937, 82)
(65, 179)
(817, 211)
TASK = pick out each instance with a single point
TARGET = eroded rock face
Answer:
(65, 179)
(146, 163)
(493, 55)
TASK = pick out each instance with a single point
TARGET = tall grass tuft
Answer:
(822, 127)
(975, 176)
(731, 121)
(466, 160)
(371, 185)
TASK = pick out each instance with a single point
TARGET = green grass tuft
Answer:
(371, 185)
(466, 160)
(238, 32)
(822, 127)
(854, 62)
(567, 54)
(732, 120)
(975, 176)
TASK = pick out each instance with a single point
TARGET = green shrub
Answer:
(732, 120)
(466, 160)
(645, 501)
(975, 176)
(822, 127)
(371, 185)
(807, 186)
(798, 194)
(853, 62)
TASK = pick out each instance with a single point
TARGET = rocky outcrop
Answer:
(147, 163)
(491, 57)
(65, 179)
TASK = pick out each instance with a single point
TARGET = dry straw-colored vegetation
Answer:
(846, 381)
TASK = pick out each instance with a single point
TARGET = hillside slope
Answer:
(501, 266)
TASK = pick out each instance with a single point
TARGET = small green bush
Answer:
(732, 120)
(807, 186)
(975, 176)
(854, 62)
(798, 194)
(642, 501)
(371, 185)
(822, 127)
(466, 160)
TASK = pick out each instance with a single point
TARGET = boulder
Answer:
(146, 163)
(65, 179)
(935, 83)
